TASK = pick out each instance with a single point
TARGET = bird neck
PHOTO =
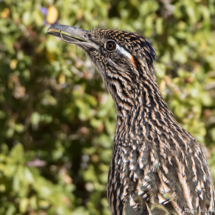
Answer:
(141, 109)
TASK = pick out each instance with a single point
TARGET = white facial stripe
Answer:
(123, 51)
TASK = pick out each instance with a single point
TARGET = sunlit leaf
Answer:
(52, 15)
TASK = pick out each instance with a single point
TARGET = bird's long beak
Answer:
(72, 35)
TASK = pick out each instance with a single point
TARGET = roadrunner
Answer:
(157, 167)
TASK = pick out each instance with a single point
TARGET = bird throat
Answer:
(143, 113)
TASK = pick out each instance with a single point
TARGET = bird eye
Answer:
(110, 45)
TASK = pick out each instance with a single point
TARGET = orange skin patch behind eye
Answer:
(132, 59)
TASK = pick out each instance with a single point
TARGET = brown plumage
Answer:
(157, 167)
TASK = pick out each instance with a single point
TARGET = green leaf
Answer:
(17, 153)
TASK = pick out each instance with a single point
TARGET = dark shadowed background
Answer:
(56, 119)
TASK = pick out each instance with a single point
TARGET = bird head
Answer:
(123, 59)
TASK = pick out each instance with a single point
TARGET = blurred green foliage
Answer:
(57, 120)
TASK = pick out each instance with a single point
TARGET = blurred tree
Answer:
(57, 120)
